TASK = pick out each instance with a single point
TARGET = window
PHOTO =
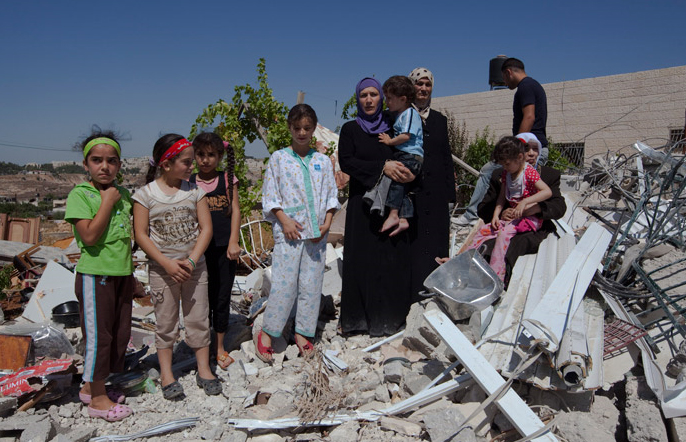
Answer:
(574, 152)
(675, 136)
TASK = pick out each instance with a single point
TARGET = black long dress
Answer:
(376, 294)
(435, 189)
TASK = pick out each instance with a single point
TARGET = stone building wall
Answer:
(605, 113)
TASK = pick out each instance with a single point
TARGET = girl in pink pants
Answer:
(521, 188)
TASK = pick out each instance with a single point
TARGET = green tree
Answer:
(349, 110)
(475, 153)
(9, 168)
(25, 210)
(252, 113)
(5, 278)
(70, 168)
(557, 160)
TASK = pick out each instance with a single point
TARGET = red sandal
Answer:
(306, 350)
(262, 352)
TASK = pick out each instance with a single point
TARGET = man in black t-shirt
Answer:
(530, 105)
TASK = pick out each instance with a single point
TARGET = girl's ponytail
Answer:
(152, 172)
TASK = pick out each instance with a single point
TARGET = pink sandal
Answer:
(113, 414)
(115, 396)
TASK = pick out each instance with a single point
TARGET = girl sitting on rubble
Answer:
(299, 197)
(173, 226)
(100, 211)
(223, 252)
(521, 188)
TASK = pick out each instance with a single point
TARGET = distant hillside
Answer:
(24, 184)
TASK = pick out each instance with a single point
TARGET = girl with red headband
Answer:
(173, 226)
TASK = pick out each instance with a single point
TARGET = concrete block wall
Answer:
(606, 113)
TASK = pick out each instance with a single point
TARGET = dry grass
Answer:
(319, 398)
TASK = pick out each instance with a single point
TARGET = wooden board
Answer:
(16, 352)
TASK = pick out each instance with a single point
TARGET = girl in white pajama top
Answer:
(299, 197)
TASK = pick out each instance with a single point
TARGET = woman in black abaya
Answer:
(435, 186)
(376, 293)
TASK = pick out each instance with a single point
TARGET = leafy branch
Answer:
(252, 113)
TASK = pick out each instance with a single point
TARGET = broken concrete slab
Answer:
(7, 405)
(400, 426)
(345, 432)
(481, 422)
(234, 436)
(414, 382)
(643, 417)
(77, 435)
(394, 371)
(42, 431)
(418, 335)
(444, 425)
(267, 438)
(34, 428)
(81, 434)
(676, 428)
(381, 394)
(21, 421)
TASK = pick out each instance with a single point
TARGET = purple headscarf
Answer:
(376, 123)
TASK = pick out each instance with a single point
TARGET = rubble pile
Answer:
(585, 343)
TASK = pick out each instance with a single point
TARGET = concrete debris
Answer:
(643, 418)
(676, 429)
(345, 432)
(444, 425)
(7, 405)
(400, 426)
(602, 424)
(36, 428)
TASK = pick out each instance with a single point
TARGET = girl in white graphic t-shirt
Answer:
(172, 225)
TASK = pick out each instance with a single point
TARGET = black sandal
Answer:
(172, 390)
(212, 387)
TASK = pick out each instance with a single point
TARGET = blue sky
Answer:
(146, 68)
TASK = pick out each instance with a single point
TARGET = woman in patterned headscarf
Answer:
(375, 297)
(429, 235)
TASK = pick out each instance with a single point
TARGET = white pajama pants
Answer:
(297, 275)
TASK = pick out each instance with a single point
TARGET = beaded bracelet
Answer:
(192, 262)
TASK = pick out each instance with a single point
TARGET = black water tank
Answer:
(495, 75)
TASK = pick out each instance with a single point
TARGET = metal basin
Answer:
(464, 285)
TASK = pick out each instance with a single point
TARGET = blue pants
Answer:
(297, 275)
(481, 188)
(397, 192)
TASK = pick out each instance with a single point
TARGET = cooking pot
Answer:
(67, 313)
